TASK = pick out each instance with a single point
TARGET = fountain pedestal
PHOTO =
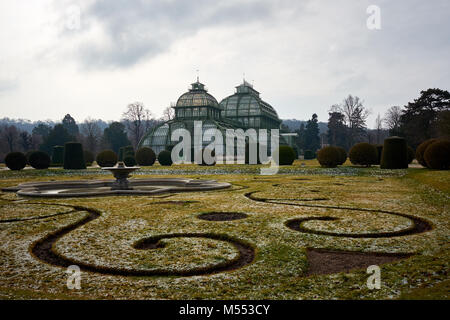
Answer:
(121, 173)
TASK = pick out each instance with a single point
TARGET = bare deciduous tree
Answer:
(168, 114)
(392, 119)
(136, 119)
(355, 117)
(9, 136)
(92, 134)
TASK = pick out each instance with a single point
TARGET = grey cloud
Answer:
(141, 29)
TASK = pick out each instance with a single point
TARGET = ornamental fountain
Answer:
(121, 173)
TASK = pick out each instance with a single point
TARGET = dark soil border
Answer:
(43, 250)
(327, 261)
(222, 216)
(419, 225)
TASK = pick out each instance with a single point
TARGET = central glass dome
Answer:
(197, 96)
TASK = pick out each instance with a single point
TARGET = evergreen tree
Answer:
(419, 119)
(115, 136)
(70, 125)
(58, 136)
(312, 139)
(337, 130)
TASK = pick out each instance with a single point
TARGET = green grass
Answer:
(279, 269)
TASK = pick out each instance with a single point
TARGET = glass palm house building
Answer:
(242, 110)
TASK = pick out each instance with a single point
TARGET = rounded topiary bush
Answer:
(15, 160)
(308, 155)
(88, 157)
(74, 156)
(286, 155)
(342, 155)
(420, 151)
(28, 154)
(363, 154)
(129, 161)
(329, 157)
(106, 158)
(165, 158)
(437, 155)
(379, 152)
(58, 156)
(39, 160)
(411, 155)
(145, 156)
(395, 154)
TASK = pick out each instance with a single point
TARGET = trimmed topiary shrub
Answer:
(58, 156)
(420, 151)
(39, 160)
(129, 161)
(411, 155)
(74, 156)
(309, 155)
(126, 151)
(286, 155)
(395, 154)
(145, 156)
(379, 152)
(437, 155)
(106, 158)
(88, 157)
(329, 157)
(15, 160)
(363, 154)
(28, 154)
(165, 158)
(342, 155)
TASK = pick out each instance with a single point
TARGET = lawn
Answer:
(293, 220)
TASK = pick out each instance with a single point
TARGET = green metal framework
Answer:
(243, 110)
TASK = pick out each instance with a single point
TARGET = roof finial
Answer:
(243, 76)
(198, 79)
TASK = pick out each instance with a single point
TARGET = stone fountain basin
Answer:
(80, 188)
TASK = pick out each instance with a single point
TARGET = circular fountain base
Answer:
(135, 187)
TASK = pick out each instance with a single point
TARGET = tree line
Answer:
(93, 134)
(426, 117)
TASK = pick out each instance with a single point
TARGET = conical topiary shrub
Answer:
(74, 156)
(58, 156)
(126, 151)
(395, 154)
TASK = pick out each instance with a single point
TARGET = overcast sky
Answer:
(303, 56)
